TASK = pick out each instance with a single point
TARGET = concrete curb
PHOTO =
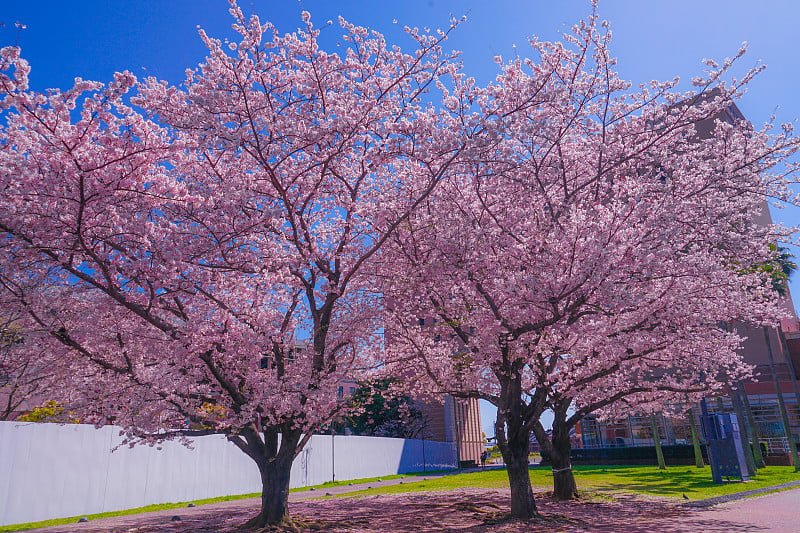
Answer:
(708, 502)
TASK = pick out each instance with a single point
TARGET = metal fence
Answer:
(636, 429)
(54, 471)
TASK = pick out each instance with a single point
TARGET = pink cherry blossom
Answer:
(198, 255)
(584, 260)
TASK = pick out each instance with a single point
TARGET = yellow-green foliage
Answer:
(49, 412)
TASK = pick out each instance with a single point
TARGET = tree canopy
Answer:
(216, 257)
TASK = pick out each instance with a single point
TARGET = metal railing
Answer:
(776, 444)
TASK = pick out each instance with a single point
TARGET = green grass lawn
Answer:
(180, 505)
(137, 510)
(329, 484)
(674, 482)
(694, 482)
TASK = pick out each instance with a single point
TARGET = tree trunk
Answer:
(657, 442)
(515, 455)
(274, 455)
(744, 431)
(698, 454)
(564, 486)
(754, 428)
(559, 448)
(274, 494)
(795, 385)
(792, 370)
(513, 434)
(787, 430)
(515, 443)
(720, 405)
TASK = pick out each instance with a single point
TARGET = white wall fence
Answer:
(55, 471)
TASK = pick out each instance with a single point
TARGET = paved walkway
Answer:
(709, 502)
(773, 513)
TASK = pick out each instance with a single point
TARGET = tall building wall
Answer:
(768, 353)
(456, 420)
(467, 425)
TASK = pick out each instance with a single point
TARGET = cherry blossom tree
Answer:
(583, 262)
(25, 380)
(203, 247)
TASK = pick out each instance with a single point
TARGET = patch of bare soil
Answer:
(462, 510)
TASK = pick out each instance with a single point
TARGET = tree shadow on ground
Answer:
(671, 483)
(472, 510)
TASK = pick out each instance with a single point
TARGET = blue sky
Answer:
(652, 39)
